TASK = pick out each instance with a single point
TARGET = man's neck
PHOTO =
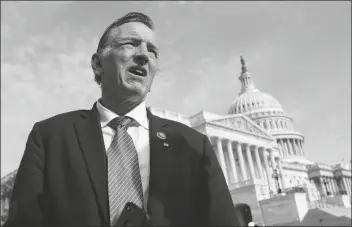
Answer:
(120, 107)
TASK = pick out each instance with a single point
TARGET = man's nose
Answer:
(141, 57)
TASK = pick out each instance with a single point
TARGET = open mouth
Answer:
(138, 71)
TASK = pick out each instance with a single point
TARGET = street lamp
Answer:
(276, 176)
(326, 187)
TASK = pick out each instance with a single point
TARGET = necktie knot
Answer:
(123, 122)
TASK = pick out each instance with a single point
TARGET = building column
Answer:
(280, 150)
(344, 183)
(250, 161)
(294, 149)
(284, 152)
(301, 147)
(268, 124)
(290, 146)
(322, 185)
(273, 167)
(298, 149)
(334, 185)
(232, 161)
(337, 185)
(259, 163)
(301, 143)
(266, 166)
(330, 185)
(272, 159)
(240, 158)
(347, 185)
(284, 143)
(287, 147)
(348, 188)
(283, 183)
(261, 124)
(280, 147)
(222, 158)
(331, 190)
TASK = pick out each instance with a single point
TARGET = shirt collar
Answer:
(139, 114)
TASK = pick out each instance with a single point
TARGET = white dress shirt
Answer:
(140, 136)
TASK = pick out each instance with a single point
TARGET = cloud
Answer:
(161, 4)
(46, 50)
(181, 2)
(41, 77)
(5, 31)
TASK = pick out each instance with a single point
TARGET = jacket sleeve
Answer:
(25, 204)
(217, 205)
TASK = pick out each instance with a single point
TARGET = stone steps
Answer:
(327, 217)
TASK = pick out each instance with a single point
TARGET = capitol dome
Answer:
(250, 98)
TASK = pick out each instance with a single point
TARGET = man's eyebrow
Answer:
(125, 38)
(153, 46)
(134, 38)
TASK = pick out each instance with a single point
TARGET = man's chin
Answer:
(136, 92)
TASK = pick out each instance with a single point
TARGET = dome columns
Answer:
(301, 146)
(290, 147)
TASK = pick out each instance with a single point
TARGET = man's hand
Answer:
(252, 224)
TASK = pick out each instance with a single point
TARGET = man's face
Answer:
(130, 63)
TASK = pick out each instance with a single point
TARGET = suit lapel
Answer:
(92, 145)
(160, 158)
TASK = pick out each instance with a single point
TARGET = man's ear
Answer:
(96, 64)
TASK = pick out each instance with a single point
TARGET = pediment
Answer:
(242, 124)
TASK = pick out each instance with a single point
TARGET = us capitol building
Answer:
(263, 159)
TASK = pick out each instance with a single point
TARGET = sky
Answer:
(299, 52)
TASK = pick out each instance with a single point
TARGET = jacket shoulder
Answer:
(62, 120)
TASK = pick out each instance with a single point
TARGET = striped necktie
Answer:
(124, 177)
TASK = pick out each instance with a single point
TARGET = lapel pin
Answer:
(166, 144)
(161, 135)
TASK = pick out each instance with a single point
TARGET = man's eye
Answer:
(129, 44)
(155, 53)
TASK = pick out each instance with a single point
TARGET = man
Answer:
(80, 168)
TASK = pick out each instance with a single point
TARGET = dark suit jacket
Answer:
(62, 177)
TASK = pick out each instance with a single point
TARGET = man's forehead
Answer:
(134, 30)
